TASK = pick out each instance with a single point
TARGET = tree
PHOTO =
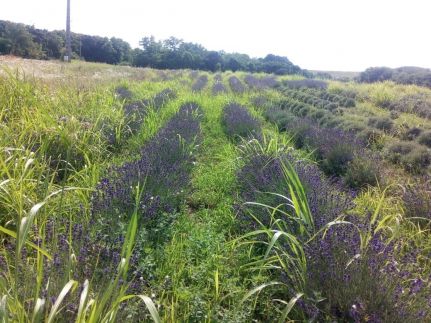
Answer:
(375, 74)
(21, 42)
(213, 61)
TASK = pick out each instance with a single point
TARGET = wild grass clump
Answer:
(413, 157)
(238, 123)
(417, 201)
(363, 171)
(381, 123)
(425, 138)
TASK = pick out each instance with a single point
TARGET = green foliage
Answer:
(410, 155)
(381, 123)
(337, 160)
(372, 137)
(361, 172)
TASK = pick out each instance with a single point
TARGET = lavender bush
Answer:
(263, 173)
(378, 282)
(123, 93)
(260, 83)
(200, 83)
(238, 122)
(236, 85)
(218, 88)
(135, 112)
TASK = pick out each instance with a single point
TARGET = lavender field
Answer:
(140, 195)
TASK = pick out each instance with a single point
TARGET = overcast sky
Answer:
(345, 35)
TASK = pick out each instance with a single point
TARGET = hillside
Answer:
(137, 194)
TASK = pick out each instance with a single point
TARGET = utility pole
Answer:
(68, 54)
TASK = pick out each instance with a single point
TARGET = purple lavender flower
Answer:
(236, 85)
(200, 83)
(238, 122)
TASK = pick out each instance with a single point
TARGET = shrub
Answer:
(164, 166)
(317, 114)
(397, 150)
(425, 139)
(362, 172)
(412, 133)
(417, 160)
(337, 160)
(303, 111)
(381, 123)
(349, 103)
(372, 137)
(263, 173)
(301, 129)
(330, 122)
(331, 106)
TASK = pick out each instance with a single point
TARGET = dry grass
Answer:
(58, 71)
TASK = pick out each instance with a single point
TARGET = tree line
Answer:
(172, 53)
(29, 42)
(403, 75)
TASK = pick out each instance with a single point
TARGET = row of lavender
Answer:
(218, 86)
(347, 154)
(382, 284)
(135, 111)
(322, 99)
(340, 153)
(236, 85)
(162, 171)
(257, 83)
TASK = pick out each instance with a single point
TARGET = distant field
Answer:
(135, 194)
(339, 75)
